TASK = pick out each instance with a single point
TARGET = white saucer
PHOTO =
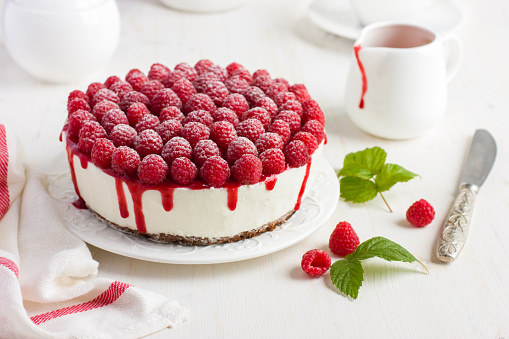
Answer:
(337, 17)
(315, 210)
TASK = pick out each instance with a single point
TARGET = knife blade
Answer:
(479, 163)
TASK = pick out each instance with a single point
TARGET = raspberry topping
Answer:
(222, 133)
(282, 128)
(251, 129)
(239, 147)
(275, 89)
(125, 160)
(236, 84)
(77, 104)
(292, 118)
(164, 98)
(104, 94)
(184, 90)
(151, 88)
(273, 161)
(173, 78)
(225, 114)
(343, 239)
(77, 119)
(101, 153)
(136, 79)
(283, 97)
(311, 111)
(269, 140)
(121, 88)
(183, 171)
(199, 116)
(421, 213)
(296, 153)
(135, 112)
(202, 66)
(77, 94)
(152, 169)
(247, 170)
(237, 103)
(269, 105)
(168, 129)
(158, 72)
(300, 92)
(102, 107)
(263, 82)
(292, 105)
(148, 142)
(244, 74)
(253, 94)
(112, 118)
(260, 72)
(89, 133)
(316, 128)
(258, 113)
(123, 135)
(93, 88)
(148, 121)
(221, 72)
(111, 80)
(307, 138)
(315, 262)
(194, 132)
(176, 147)
(171, 112)
(199, 101)
(215, 171)
(130, 98)
(203, 150)
(201, 81)
(188, 70)
(234, 66)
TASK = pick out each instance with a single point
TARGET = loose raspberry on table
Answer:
(215, 171)
(148, 142)
(343, 239)
(77, 104)
(111, 80)
(130, 98)
(269, 140)
(152, 169)
(102, 152)
(102, 107)
(112, 118)
(260, 72)
(282, 128)
(312, 111)
(296, 153)
(164, 98)
(307, 138)
(421, 213)
(135, 112)
(263, 82)
(77, 94)
(273, 161)
(236, 84)
(175, 148)
(171, 112)
(93, 88)
(239, 147)
(237, 103)
(225, 114)
(89, 133)
(104, 94)
(316, 128)
(283, 97)
(188, 70)
(194, 132)
(183, 171)
(300, 92)
(269, 105)
(168, 129)
(258, 113)
(203, 150)
(148, 121)
(184, 90)
(173, 77)
(315, 262)
(202, 66)
(251, 129)
(201, 81)
(77, 119)
(123, 135)
(125, 160)
(199, 101)
(199, 116)
(121, 88)
(292, 105)
(275, 89)
(221, 72)
(253, 94)
(223, 133)
(247, 170)
(158, 72)
(151, 88)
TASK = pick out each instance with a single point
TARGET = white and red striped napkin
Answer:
(48, 283)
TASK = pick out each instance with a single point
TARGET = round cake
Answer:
(194, 155)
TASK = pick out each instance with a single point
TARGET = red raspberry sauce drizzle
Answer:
(303, 186)
(356, 49)
(270, 183)
(233, 196)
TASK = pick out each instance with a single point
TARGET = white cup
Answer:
(371, 11)
(397, 81)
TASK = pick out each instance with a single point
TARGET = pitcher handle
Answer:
(454, 53)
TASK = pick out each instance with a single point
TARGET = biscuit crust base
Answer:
(198, 241)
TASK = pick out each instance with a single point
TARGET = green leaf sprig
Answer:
(365, 174)
(347, 274)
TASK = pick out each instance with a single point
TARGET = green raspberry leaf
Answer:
(347, 276)
(390, 175)
(363, 164)
(382, 248)
(357, 190)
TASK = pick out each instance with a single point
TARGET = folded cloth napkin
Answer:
(48, 283)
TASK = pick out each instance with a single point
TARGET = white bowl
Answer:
(203, 5)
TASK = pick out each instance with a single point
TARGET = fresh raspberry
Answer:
(130, 98)
(171, 112)
(121, 88)
(89, 133)
(101, 153)
(197, 102)
(158, 72)
(77, 119)
(222, 133)
(199, 116)
(148, 142)
(258, 113)
(111, 80)
(175, 148)
(236, 84)
(251, 129)
(215, 171)
(247, 170)
(260, 72)
(234, 66)
(269, 105)
(420, 214)
(77, 94)
(296, 153)
(316, 128)
(292, 118)
(123, 135)
(113, 117)
(202, 66)
(152, 169)
(221, 72)
(184, 90)
(253, 94)
(125, 160)
(282, 128)
(136, 79)
(263, 82)
(188, 70)
(164, 98)
(203, 150)
(151, 88)
(244, 74)
(133, 73)
(194, 132)
(292, 105)
(275, 89)
(135, 112)
(311, 111)
(273, 161)
(315, 262)
(173, 78)
(225, 114)
(238, 147)
(183, 171)
(168, 129)
(269, 140)
(343, 239)
(148, 121)
(283, 97)
(300, 92)
(93, 88)
(307, 138)
(201, 81)
(102, 107)
(104, 94)
(282, 81)
(77, 104)
(237, 103)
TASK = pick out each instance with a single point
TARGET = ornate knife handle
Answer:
(454, 234)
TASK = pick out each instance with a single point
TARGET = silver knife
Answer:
(480, 160)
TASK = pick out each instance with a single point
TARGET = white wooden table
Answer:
(270, 296)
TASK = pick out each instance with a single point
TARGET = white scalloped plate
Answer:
(316, 208)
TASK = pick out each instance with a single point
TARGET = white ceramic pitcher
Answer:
(397, 82)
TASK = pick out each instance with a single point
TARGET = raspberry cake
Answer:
(193, 155)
